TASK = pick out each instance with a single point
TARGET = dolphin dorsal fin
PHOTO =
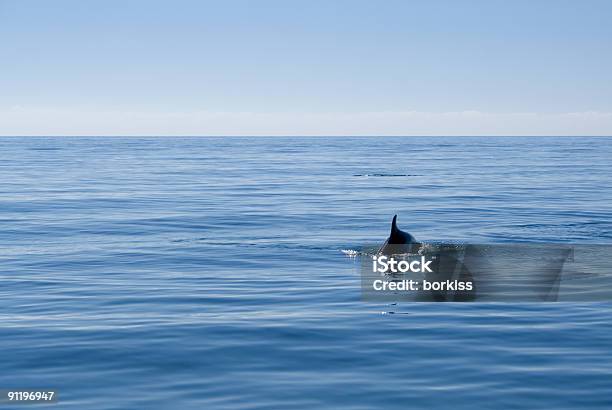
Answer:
(394, 225)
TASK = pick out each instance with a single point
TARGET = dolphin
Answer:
(399, 241)
(449, 265)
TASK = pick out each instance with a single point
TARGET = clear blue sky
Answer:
(305, 67)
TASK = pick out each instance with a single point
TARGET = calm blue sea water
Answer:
(206, 273)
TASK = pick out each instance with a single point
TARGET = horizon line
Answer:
(305, 136)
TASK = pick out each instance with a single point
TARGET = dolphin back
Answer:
(398, 240)
(397, 236)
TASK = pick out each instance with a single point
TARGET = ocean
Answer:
(216, 273)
